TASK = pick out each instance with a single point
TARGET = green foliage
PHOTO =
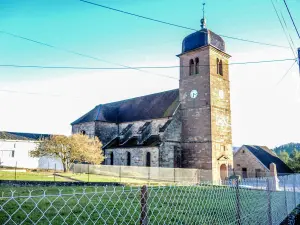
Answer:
(70, 149)
(292, 159)
(289, 148)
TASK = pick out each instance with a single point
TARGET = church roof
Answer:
(267, 158)
(154, 106)
(4, 135)
(202, 38)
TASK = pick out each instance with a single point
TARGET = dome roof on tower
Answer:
(202, 38)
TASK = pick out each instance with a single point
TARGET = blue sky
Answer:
(262, 112)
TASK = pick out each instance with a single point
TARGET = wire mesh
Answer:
(247, 201)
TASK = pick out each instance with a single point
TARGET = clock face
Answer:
(194, 94)
(221, 94)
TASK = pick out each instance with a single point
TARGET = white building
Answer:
(15, 151)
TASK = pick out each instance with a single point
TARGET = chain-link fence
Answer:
(124, 173)
(248, 201)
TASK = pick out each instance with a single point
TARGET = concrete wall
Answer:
(243, 158)
(22, 156)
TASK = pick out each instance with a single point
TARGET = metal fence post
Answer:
(285, 198)
(269, 202)
(238, 203)
(16, 170)
(149, 174)
(294, 189)
(88, 172)
(120, 173)
(54, 171)
(174, 175)
(144, 197)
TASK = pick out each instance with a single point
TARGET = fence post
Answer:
(120, 173)
(238, 203)
(16, 170)
(54, 171)
(144, 197)
(285, 198)
(294, 189)
(269, 202)
(174, 175)
(148, 174)
(88, 172)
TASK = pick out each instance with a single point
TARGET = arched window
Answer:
(221, 68)
(197, 65)
(128, 159)
(111, 158)
(83, 132)
(148, 159)
(192, 66)
(217, 66)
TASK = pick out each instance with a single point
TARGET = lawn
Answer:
(33, 176)
(48, 176)
(121, 205)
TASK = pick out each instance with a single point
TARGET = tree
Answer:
(284, 156)
(77, 147)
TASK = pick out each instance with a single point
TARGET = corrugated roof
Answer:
(22, 136)
(152, 106)
(267, 158)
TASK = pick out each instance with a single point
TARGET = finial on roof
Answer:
(203, 21)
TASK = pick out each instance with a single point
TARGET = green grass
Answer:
(29, 176)
(100, 178)
(48, 176)
(121, 205)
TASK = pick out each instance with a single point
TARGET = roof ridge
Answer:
(137, 97)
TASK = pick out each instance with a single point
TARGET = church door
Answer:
(223, 171)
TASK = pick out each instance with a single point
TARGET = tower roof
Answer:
(202, 38)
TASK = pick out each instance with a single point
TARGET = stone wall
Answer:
(88, 128)
(138, 156)
(220, 114)
(170, 154)
(243, 158)
(106, 131)
(196, 112)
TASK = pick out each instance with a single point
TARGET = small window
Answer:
(128, 158)
(217, 66)
(238, 164)
(197, 65)
(221, 68)
(111, 158)
(192, 66)
(15, 145)
(223, 148)
(148, 159)
(83, 132)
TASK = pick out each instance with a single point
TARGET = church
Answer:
(188, 127)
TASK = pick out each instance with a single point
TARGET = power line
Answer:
(35, 93)
(285, 33)
(175, 25)
(291, 18)
(286, 73)
(141, 67)
(76, 53)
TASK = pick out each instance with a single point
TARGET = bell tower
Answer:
(205, 104)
